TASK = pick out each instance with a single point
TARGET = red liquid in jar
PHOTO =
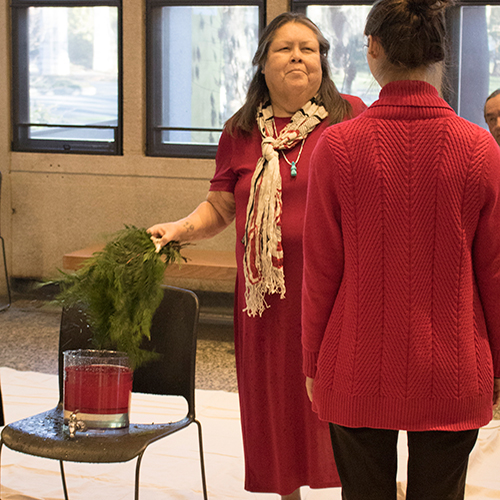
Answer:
(98, 389)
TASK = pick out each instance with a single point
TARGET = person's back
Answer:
(400, 316)
(410, 188)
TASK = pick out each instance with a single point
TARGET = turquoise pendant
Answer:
(293, 170)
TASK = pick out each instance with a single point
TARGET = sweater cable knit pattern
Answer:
(401, 323)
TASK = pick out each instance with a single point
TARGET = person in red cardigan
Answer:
(401, 280)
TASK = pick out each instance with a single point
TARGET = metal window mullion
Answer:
(23, 4)
(20, 74)
(202, 3)
(119, 132)
(301, 5)
(154, 34)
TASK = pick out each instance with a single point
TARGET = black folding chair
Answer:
(173, 336)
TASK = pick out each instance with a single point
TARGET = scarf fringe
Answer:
(255, 296)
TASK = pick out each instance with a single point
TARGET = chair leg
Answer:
(202, 461)
(137, 467)
(63, 479)
(2, 417)
(6, 277)
(1, 445)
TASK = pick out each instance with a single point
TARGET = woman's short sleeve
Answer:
(357, 105)
(224, 178)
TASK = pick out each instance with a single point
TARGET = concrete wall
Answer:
(52, 204)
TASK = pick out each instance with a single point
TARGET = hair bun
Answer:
(426, 7)
(419, 6)
(411, 32)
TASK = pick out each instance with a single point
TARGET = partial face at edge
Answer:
(492, 116)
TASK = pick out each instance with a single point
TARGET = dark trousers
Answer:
(367, 463)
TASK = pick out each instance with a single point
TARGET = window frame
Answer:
(451, 90)
(154, 144)
(301, 5)
(20, 86)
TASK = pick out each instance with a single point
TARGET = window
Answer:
(474, 69)
(199, 66)
(67, 76)
(471, 74)
(343, 25)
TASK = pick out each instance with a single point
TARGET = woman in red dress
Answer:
(260, 182)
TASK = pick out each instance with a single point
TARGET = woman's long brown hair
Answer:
(338, 108)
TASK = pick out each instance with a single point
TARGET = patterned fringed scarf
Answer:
(263, 260)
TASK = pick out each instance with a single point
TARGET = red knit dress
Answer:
(401, 298)
(285, 444)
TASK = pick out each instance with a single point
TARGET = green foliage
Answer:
(120, 289)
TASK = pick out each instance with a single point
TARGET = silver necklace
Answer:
(293, 164)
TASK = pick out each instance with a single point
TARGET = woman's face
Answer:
(293, 67)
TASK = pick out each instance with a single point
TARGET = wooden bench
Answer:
(213, 265)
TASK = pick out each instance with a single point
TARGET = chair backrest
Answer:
(173, 337)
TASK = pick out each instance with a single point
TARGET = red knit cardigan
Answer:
(401, 292)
